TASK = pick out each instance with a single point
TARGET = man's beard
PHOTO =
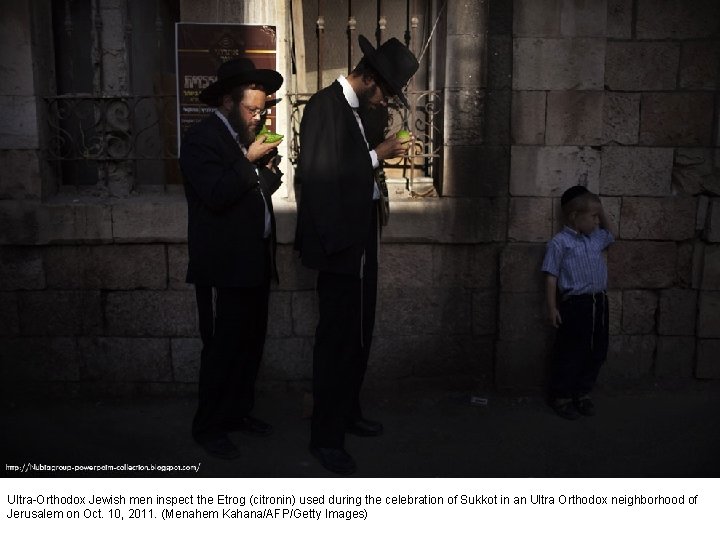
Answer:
(365, 95)
(237, 122)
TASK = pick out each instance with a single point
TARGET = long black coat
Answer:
(336, 177)
(226, 213)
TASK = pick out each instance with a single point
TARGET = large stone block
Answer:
(21, 268)
(708, 325)
(619, 19)
(615, 307)
(639, 310)
(305, 313)
(287, 359)
(528, 117)
(685, 264)
(500, 61)
(651, 218)
(549, 171)
(675, 356)
(497, 117)
(629, 357)
(676, 119)
(531, 219)
(409, 311)
(60, 313)
(467, 18)
(708, 359)
(67, 222)
(642, 265)
(106, 267)
(641, 66)
(19, 122)
(574, 118)
(285, 220)
(16, 74)
(448, 220)
(126, 359)
(677, 19)
(464, 116)
(523, 364)
(151, 313)
(149, 220)
(295, 276)
(523, 317)
(695, 172)
(621, 118)
(520, 268)
(9, 318)
(465, 71)
(500, 17)
(39, 359)
(476, 171)
(537, 18)
(185, 353)
(636, 171)
(405, 265)
(699, 65)
(392, 357)
(677, 313)
(579, 18)
(558, 64)
(711, 268)
(468, 266)
(280, 322)
(484, 312)
(33, 223)
(21, 178)
(712, 232)
(177, 255)
(447, 356)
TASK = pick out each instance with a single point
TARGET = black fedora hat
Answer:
(236, 72)
(393, 61)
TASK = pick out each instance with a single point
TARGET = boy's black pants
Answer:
(581, 345)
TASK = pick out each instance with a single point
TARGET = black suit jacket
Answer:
(226, 213)
(336, 177)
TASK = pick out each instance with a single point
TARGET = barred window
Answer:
(325, 45)
(111, 124)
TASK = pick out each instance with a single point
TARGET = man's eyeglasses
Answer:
(254, 112)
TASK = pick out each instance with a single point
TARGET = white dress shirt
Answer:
(354, 102)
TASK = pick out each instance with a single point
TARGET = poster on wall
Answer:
(201, 48)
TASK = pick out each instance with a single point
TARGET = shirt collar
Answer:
(572, 232)
(348, 92)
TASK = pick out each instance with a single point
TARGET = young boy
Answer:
(576, 283)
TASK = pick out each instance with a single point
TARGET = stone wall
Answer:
(620, 96)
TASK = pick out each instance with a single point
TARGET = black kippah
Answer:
(572, 193)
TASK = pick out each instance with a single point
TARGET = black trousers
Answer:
(233, 341)
(581, 345)
(342, 346)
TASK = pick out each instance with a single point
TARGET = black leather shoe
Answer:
(253, 426)
(565, 408)
(585, 406)
(222, 448)
(365, 428)
(335, 460)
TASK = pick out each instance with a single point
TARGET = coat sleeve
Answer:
(320, 172)
(219, 182)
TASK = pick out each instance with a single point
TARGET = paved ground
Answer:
(648, 432)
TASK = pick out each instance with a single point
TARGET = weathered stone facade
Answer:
(618, 95)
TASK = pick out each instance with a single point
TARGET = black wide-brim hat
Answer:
(393, 61)
(236, 72)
